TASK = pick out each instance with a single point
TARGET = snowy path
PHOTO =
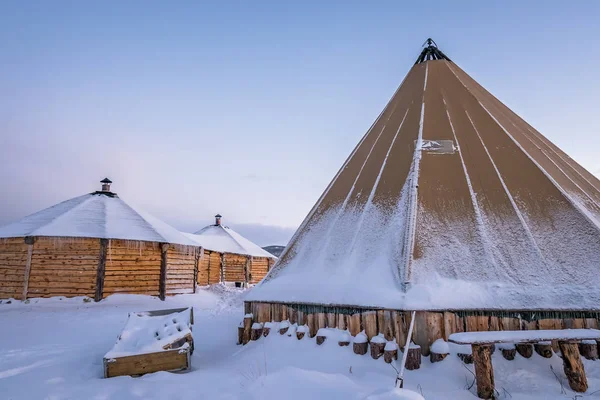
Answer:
(53, 349)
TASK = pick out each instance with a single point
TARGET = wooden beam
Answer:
(101, 270)
(222, 268)
(29, 240)
(197, 254)
(247, 271)
(484, 373)
(573, 366)
(162, 283)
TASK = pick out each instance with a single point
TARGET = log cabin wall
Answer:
(259, 268)
(181, 264)
(429, 326)
(209, 268)
(63, 267)
(234, 267)
(132, 267)
(13, 257)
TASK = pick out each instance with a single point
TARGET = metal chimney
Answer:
(218, 219)
(106, 184)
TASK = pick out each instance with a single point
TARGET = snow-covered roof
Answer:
(225, 240)
(495, 217)
(96, 215)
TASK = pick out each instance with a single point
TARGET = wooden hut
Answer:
(95, 245)
(453, 206)
(229, 257)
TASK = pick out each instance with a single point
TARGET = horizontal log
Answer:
(131, 282)
(66, 279)
(65, 267)
(130, 290)
(61, 285)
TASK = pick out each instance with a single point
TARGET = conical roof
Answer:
(450, 201)
(96, 215)
(223, 239)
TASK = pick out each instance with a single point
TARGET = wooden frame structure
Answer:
(217, 267)
(429, 325)
(58, 266)
(174, 357)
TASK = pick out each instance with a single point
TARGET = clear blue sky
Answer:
(249, 108)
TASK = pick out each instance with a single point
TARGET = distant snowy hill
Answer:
(275, 250)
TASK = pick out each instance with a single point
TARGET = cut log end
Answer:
(283, 331)
(377, 350)
(360, 348)
(256, 333)
(589, 350)
(436, 357)
(321, 340)
(390, 355)
(543, 349)
(525, 350)
(266, 331)
(466, 358)
(509, 354)
(343, 343)
(413, 358)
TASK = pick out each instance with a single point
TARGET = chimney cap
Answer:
(218, 216)
(105, 180)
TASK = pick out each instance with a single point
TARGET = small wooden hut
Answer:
(229, 257)
(95, 245)
(452, 206)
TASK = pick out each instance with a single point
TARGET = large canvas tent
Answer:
(229, 256)
(95, 245)
(451, 205)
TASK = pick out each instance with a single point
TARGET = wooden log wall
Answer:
(393, 324)
(234, 267)
(181, 263)
(209, 268)
(13, 257)
(63, 267)
(132, 267)
(259, 268)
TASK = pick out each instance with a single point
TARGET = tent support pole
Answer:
(400, 377)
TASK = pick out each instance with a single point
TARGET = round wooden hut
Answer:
(453, 207)
(229, 257)
(95, 245)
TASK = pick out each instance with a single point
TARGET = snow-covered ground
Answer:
(53, 349)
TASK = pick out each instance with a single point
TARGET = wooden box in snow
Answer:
(152, 341)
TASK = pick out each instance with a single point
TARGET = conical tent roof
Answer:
(225, 240)
(450, 201)
(96, 215)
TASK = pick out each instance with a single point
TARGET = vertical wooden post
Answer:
(284, 312)
(204, 254)
(247, 328)
(222, 268)
(341, 321)
(573, 366)
(101, 270)
(321, 320)
(29, 241)
(369, 322)
(247, 271)
(398, 322)
(354, 324)
(197, 253)
(484, 374)
(312, 324)
(162, 284)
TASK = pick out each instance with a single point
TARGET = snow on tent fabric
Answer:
(453, 206)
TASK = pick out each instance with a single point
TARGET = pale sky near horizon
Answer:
(249, 108)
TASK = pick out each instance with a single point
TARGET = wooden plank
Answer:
(169, 360)
(29, 241)
(400, 330)
(162, 283)
(369, 323)
(421, 332)
(100, 272)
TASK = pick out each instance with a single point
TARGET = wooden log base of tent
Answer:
(525, 349)
(266, 331)
(544, 349)
(247, 329)
(360, 348)
(589, 349)
(573, 366)
(413, 358)
(256, 333)
(377, 349)
(509, 354)
(436, 357)
(241, 334)
(321, 339)
(343, 343)
(466, 358)
(390, 355)
(284, 330)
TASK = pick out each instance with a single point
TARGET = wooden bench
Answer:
(481, 344)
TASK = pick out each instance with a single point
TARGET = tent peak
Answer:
(431, 52)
